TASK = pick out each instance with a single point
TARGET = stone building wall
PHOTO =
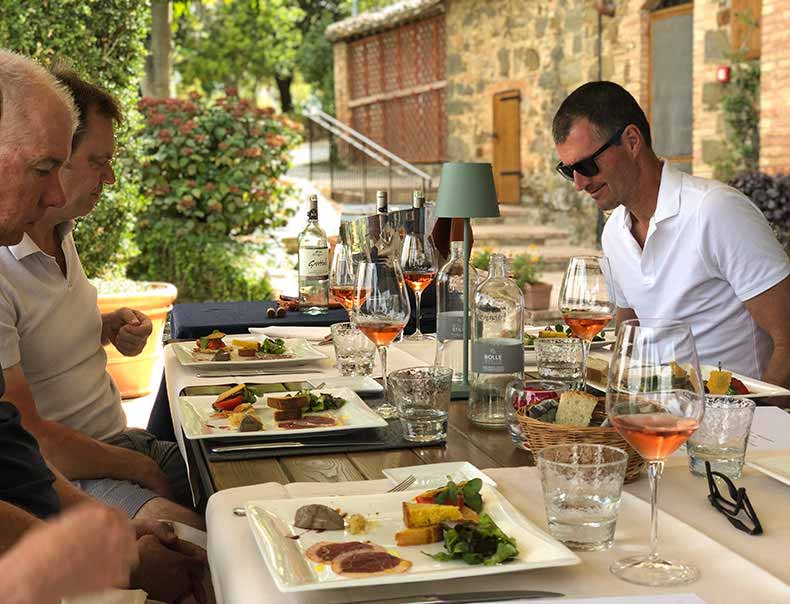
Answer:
(711, 45)
(775, 87)
(544, 49)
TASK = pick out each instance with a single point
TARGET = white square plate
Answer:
(777, 468)
(757, 388)
(270, 521)
(302, 350)
(433, 476)
(194, 412)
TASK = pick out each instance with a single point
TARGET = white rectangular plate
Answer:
(270, 521)
(433, 476)
(777, 468)
(303, 352)
(194, 412)
(609, 338)
(757, 388)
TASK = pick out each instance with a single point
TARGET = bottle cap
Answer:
(381, 202)
(312, 211)
(418, 199)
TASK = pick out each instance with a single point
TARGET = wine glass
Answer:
(381, 311)
(341, 277)
(584, 301)
(655, 400)
(419, 263)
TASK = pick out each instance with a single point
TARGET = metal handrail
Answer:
(317, 113)
(348, 139)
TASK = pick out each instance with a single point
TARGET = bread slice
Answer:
(419, 536)
(281, 416)
(575, 408)
(418, 515)
(288, 403)
(598, 370)
(230, 392)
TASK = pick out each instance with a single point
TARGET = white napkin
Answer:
(312, 334)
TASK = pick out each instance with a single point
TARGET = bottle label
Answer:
(312, 214)
(314, 262)
(450, 325)
(498, 355)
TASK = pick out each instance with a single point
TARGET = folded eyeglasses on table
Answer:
(737, 503)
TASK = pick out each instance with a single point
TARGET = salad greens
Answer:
(272, 346)
(470, 491)
(481, 543)
(321, 401)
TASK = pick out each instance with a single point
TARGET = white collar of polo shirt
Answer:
(28, 247)
(668, 203)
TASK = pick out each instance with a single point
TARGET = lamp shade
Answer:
(467, 190)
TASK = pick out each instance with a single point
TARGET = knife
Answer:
(274, 445)
(248, 372)
(466, 597)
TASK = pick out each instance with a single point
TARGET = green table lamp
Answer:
(467, 190)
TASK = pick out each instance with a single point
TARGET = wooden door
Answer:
(507, 146)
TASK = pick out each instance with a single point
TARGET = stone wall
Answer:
(775, 87)
(711, 46)
(544, 49)
(342, 87)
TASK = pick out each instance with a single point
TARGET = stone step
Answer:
(555, 257)
(496, 235)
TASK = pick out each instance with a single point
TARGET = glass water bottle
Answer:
(497, 345)
(450, 311)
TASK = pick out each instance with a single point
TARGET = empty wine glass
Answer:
(419, 263)
(381, 308)
(655, 400)
(342, 278)
(584, 301)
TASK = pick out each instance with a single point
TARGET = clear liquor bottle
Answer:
(450, 311)
(313, 264)
(497, 345)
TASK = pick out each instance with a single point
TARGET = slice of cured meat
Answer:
(308, 421)
(326, 551)
(357, 564)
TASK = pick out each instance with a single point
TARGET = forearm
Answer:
(14, 522)
(778, 369)
(80, 456)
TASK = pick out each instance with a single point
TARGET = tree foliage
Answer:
(103, 41)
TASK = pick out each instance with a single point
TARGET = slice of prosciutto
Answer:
(357, 564)
(308, 421)
(326, 551)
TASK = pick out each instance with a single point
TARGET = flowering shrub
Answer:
(212, 172)
(527, 267)
(770, 193)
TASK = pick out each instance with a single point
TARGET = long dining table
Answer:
(689, 524)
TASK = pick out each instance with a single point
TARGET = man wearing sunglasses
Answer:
(679, 246)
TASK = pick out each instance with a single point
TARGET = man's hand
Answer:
(151, 476)
(87, 549)
(127, 329)
(160, 529)
(170, 573)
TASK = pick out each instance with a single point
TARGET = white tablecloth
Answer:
(240, 575)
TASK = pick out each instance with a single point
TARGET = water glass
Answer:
(523, 394)
(422, 395)
(354, 351)
(560, 359)
(722, 436)
(582, 485)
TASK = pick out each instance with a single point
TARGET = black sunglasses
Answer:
(587, 166)
(731, 508)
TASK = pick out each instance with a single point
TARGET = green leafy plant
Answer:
(740, 108)
(105, 43)
(481, 259)
(527, 268)
(212, 169)
(477, 543)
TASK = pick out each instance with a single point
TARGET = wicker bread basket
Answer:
(541, 434)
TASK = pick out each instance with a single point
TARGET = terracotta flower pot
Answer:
(134, 375)
(537, 296)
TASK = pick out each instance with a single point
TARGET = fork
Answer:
(401, 486)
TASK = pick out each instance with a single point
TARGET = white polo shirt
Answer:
(51, 324)
(708, 250)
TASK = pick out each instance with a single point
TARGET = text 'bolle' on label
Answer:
(498, 355)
